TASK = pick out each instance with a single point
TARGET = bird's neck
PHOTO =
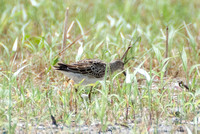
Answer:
(112, 67)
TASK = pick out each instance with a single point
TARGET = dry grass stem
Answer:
(166, 49)
(78, 38)
(65, 28)
(129, 47)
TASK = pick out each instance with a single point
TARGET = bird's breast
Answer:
(85, 79)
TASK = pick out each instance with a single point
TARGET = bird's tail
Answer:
(61, 67)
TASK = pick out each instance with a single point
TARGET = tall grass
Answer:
(31, 38)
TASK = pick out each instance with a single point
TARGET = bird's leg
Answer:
(71, 99)
(76, 90)
(89, 96)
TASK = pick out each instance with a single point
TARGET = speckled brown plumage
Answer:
(89, 70)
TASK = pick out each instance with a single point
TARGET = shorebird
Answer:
(89, 71)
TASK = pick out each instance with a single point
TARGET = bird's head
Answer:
(117, 65)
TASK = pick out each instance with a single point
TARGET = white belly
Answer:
(77, 78)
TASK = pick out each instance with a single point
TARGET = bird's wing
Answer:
(89, 67)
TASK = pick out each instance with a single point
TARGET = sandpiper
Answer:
(89, 71)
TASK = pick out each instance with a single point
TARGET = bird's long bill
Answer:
(124, 72)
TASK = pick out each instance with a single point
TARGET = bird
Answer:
(90, 70)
